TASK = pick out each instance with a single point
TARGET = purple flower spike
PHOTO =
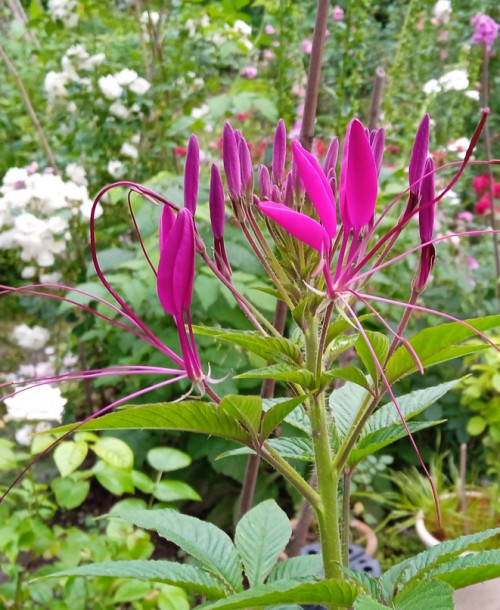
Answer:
(377, 143)
(264, 182)
(303, 227)
(317, 187)
(246, 167)
(191, 175)
(217, 204)
(176, 266)
(231, 161)
(358, 179)
(167, 220)
(331, 156)
(427, 204)
(419, 155)
(279, 152)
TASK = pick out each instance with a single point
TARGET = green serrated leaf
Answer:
(298, 419)
(293, 448)
(204, 541)
(364, 602)
(438, 344)
(304, 567)
(246, 409)
(468, 570)
(348, 373)
(345, 403)
(282, 372)
(167, 459)
(340, 593)
(427, 594)
(190, 578)
(369, 583)
(380, 344)
(340, 344)
(69, 456)
(277, 413)
(261, 536)
(189, 415)
(114, 452)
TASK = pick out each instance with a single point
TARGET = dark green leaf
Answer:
(282, 372)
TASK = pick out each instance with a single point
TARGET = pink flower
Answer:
(269, 30)
(472, 263)
(486, 30)
(306, 45)
(465, 216)
(249, 72)
(338, 13)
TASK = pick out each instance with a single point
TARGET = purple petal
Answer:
(427, 204)
(176, 266)
(358, 179)
(377, 143)
(317, 187)
(167, 219)
(246, 167)
(279, 152)
(419, 154)
(191, 175)
(264, 182)
(331, 156)
(217, 203)
(303, 227)
(231, 161)
(289, 189)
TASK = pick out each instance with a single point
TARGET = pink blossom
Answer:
(249, 72)
(306, 45)
(269, 30)
(486, 30)
(465, 216)
(338, 13)
(472, 263)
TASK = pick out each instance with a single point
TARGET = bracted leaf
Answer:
(277, 413)
(304, 567)
(468, 570)
(427, 594)
(283, 372)
(188, 415)
(438, 344)
(190, 578)
(202, 540)
(272, 349)
(261, 536)
(339, 593)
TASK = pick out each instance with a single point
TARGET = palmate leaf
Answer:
(438, 344)
(190, 578)
(340, 593)
(261, 536)
(188, 415)
(464, 571)
(202, 540)
(272, 349)
(282, 372)
(373, 442)
(428, 594)
(402, 572)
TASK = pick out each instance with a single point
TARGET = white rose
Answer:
(42, 402)
(140, 86)
(109, 87)
(126, 77)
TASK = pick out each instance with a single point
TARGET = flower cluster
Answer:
(65, 11)
(486, 30)
(456, 80)
(35, 209)
(30, 338)
(482, 189)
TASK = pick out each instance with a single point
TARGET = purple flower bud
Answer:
(377, 143)
(279, 152)
(246, 167)
(231, 161)
(331, 156)
(264, 182)
(276, 193)
(167, 219)
(427, 261)
(217, 203)
(427, 204)
(176, 266)
(419, 154)
(317, 187)
(358, 179)
(191, 175)
(289, 189)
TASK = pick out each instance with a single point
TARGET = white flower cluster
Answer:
(456, 80)
(112, 85)
(39, 403)
(65, 11)
(34, 212)
(30, 338)
(75, 60)
(239, 31)
(442, 12)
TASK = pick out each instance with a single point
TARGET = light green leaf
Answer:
(261, 536)
(114, 452)
(468, 570)
(298, 419)
(369, 583)
(379, 344)
(345, 403)
(340, 344)
(167, 459)
(172, 491)
(282, 372)
(427, 594)
(410, 405)
(69, 455)
(131, 590)
(204, 541)
(272, 349)
(245, 409)
(277, 413)
(142, 481)
(291, 448)
(476, 425)
(188, 577)
(116, 480)
(367, 603)
(340, 593)
(189, 415)
(349, 373)
(7, 458)
(304, 567)
(438, 344)
(69, 492)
